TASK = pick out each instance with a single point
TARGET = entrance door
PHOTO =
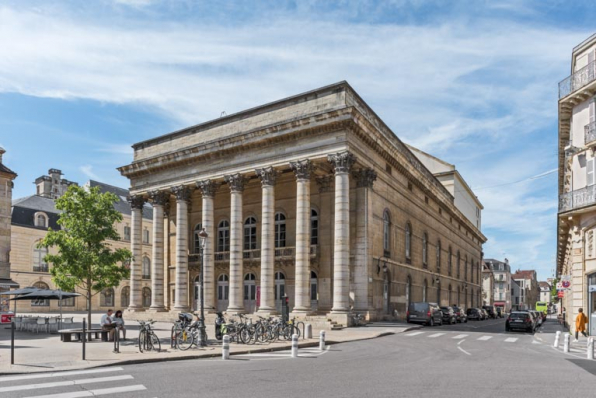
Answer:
(314, 291)
(592, 304)
(250, 293)
(223, 291)
(197, 294)
(280, 289)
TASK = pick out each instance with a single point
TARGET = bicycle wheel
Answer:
(155, 343)
(142, 341)
(184, 340)
(244, 335)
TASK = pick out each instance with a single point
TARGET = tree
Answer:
(85, 259)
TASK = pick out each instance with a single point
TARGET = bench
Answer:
(66, 335)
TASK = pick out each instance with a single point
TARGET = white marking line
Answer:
(460, 336)
(511, 340)
(65, 383)
(464, 351)
(414, 334)
(484, 338)
(59, 374)
(432, 336)
(93, 393)
(287, 354)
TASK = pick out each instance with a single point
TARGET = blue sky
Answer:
(472, 82)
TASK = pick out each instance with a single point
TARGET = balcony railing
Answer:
(40, 268)
(578, 198)
(590, 133)
(577, 80)
(254, 254)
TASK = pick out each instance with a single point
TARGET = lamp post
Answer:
(202, 335)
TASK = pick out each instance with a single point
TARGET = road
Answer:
(477, 359)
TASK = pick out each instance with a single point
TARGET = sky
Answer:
(471, 82)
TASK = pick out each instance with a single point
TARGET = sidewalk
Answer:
(45, 352)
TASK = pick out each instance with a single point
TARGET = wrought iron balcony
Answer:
(255, 254)
(590, 133)
(41, 268)
(577, 80)
(578, 198)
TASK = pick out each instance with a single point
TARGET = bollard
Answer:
(84, 339)
(116, 341)
(322, 340)
(225, 348)
(308, 331)
(12, 341)
(566, 343)
(591, 348)
(294, 346)
(557, 337)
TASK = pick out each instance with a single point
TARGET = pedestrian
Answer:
(580, 324)
(108, 325)
(119, 321)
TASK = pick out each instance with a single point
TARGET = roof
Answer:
(527, 274)
(122, 204)
(4, 169)
(545, 285)
(36, 202)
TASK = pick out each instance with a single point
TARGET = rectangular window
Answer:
(146, 236)
(590, 171)
(126, 233)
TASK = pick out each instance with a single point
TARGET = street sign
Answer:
(561, 294)
(566, 284)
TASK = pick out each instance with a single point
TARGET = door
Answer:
(223, 291)
(250, 293)
(280, 289)
(314, 291)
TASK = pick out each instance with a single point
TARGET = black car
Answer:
(520, 320)
(460, 314)
(499, 312)
(448, 315)
(426, 313)
(491, 311)
(474, 313)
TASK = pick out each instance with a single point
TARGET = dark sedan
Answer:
(460, 314)
(474, 313)
(448, 315)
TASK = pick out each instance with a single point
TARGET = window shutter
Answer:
(590, 171)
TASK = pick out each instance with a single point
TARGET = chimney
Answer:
(2, 152)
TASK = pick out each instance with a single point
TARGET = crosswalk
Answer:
(459, 336)
(71, 384)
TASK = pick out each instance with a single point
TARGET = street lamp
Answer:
(202, 335)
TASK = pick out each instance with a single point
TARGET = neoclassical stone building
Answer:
(312, 196)
(6, 184)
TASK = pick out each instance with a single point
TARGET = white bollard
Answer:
(591, 348)
(566, 343)
(294, 346)
(225, 348)
(322, 340)
(557, 337)
(308, 331)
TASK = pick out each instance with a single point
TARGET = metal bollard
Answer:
(591, 348)
(84, 337)
(116, 340)
(566, 343)
(225, 348)
(557, 337)
(294, 346)
(308, 331)
(12, 326)
(322, 340)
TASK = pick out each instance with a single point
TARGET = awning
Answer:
(8, 283)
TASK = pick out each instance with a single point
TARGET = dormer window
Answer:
(41, 220)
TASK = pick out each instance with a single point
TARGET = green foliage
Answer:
(85, 259)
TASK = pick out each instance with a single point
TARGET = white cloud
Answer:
(88, 171)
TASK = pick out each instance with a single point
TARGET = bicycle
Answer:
(148, 340)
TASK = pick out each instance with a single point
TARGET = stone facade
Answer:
(6, 184)
(488, 285)
(314, 197)
(502, 284)
(529, 292)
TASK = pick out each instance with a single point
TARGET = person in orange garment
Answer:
(580, 324)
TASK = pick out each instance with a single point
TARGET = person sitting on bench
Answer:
(108, 325)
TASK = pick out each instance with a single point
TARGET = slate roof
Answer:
(122, 205)
(529, 274)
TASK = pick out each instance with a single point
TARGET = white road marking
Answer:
(65, 383)
(460, 336)
(414, 334)
(511, 340)
(536, 342)
(59, 374)
(484, 338)
(432, 336)
(93, 393)
(464, 351)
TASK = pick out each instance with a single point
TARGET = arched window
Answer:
(146, 274)
(38, 302)
(250, 234)
(386, 233)
(125, 297)
(466, 268)
(425, 250)
(424, 288)
(146, 297)
(313, 286)
(450, 262)
(408, 291)
(280, 230)
(39, 264)
(196, 239)
(438, 256)
(280, 285)
(223, 288)
(223, 236)
(314, 227)
(408, 243)
(41, 221)
(106, 298)
(458, 264)
(450, 297)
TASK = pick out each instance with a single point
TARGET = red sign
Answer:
(5, 318)
(561, 294)
(566, 284)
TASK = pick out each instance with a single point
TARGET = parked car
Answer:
(474, 313)
(449, 315)
(425, 313)
(491, 311)
(520, 320)
(499, 312)
(485, 312)
(537, 317)
(460, 314)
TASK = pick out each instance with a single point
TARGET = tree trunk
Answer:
(89, 307)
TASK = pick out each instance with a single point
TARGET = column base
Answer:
(157, 309)
(180, 309)
(301, 312)
(267, 311)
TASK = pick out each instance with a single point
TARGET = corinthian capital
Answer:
(342, 162)
(207, 188)
(136, 201)
(268, 175)
(302, 169)
(182, 193)
(235, 181)
(365, 177)
(159, 198)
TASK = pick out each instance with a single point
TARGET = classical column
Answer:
(268, 177)
(236, 183)
(302, 170)
(136, 220)
(182, 200)
(207, 188)
(158, 199)
(342, 163)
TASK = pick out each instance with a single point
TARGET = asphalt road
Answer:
(477, 359)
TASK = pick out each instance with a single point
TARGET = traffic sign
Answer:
(561, 294)
(566, 284)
